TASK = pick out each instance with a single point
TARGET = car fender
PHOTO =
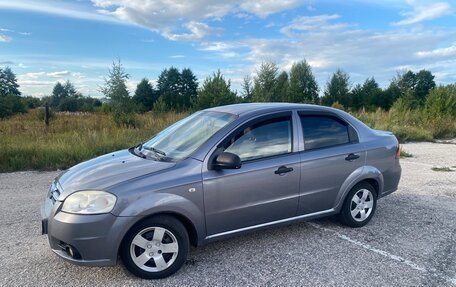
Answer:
(156, 203)
(358, 175)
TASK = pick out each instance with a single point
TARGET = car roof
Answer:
(239, 109)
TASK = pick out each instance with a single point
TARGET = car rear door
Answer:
(332, 152)
(266, 187)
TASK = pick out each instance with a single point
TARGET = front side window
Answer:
(182, 138)
(263, 139)
(323, 131)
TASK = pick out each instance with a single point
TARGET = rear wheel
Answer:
(359, 205)
(155, 248)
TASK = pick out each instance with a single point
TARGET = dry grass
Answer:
(25, 143)
(411, 125)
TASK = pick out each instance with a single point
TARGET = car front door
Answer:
(332, 152)
(266, 187)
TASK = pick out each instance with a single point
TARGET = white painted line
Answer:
(384, 253)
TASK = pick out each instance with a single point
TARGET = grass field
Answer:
(411, 125)
(26, 144)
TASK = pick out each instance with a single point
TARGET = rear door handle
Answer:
(351, 157)
(283, 169)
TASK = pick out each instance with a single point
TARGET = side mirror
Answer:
(227, 160)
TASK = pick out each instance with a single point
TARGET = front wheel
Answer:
(155, 248)
(359, 205)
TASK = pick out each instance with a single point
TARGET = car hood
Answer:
(108, 170)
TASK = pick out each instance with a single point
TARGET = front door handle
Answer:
(283, 169)
(351, 157)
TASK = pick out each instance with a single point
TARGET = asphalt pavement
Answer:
(411, 241)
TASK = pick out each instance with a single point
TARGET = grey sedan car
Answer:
(219, 172)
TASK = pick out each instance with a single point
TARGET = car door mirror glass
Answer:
(227, 160)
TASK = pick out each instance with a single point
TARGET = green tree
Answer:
(8, 83)
(414, 88)
(357, 97)
(115, 87)
(58, 93)
(265, 83)
(406, 81)
(169, 87)
(303, 86)
(145, 96)
(188, 88)
(424, 83)
(215, 92)
(70, 90)
(337, 89)
(64, 91)
(372, 94)
(247, 89)
(391, 94)
(282, 88)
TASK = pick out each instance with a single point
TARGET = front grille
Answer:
(54, 192)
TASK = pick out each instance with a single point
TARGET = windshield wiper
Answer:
(160, 152)
(136, 150)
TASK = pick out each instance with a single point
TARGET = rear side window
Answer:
(323, 131)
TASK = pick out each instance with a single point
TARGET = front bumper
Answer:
(95, 238)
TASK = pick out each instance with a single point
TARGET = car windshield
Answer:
(182, 138)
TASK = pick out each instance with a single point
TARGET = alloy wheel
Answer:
(361, 205)
(154, 249)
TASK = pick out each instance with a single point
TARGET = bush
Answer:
(78, 104)
(337, 105)
(10, 105)
(31, 102)
(127, 120)
(41, 111)
(442, 101)
(70, 104)
(160, 106)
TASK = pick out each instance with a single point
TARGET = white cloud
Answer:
(177, 56)
(41, 83)
(223, 49)
(5, 39)
(328, 43)
(58, 74)
(32, 75)
(438, 53)
(311, 23)
(423, 12)
(197, 31)
(164, 16)
(266, 7)
(58, 8)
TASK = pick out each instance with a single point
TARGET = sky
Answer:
(57, 40)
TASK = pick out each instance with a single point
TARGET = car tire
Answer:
(156, 247)
(359, 205)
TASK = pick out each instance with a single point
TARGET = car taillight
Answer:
(398, 150)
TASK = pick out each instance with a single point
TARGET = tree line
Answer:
(179, 90)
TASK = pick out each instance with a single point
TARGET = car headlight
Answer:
(89, 202)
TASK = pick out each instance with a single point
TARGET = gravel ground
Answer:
(411, 241)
